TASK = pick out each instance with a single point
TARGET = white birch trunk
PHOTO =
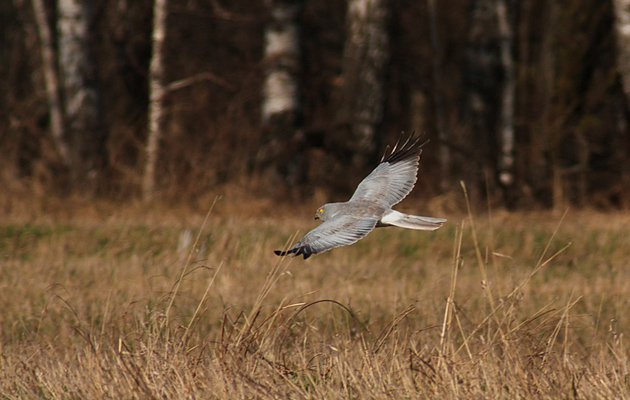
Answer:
(506, 160)
(365, 55)
(77, 70)
(51, 80)
(622, 26)
(157, 91)
(282, 52)
(281, 154)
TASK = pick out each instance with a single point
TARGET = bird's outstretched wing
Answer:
(338, 231)
(393, 179)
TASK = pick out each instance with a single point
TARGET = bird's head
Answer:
(323, 212)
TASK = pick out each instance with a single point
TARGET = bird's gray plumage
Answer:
(370, 205)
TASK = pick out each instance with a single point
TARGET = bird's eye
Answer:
(321, 210)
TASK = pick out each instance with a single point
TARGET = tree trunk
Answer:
(445, 154)
(282, 153)
(77, 63)
(51, 80)
(157, 91)
(506, 32)
(622, 26)
(363, 72)
(549, 131)
(481, 102)
(282, 52)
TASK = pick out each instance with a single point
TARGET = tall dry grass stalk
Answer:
(488, 307)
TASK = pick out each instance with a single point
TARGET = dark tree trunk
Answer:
(476, 161)
(445, 153)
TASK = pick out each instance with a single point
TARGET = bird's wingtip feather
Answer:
(405, 146)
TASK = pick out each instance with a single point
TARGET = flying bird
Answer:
(371, 204)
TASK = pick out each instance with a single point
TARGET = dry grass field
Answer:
(99, 302)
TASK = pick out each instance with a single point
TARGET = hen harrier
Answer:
(370, 206)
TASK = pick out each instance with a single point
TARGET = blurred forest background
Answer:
(525, 101)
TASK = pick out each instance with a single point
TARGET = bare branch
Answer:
(204, 76)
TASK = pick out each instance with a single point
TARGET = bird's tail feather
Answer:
(408, 221)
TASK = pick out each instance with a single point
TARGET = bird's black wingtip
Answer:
(303, 251)
(405, 147)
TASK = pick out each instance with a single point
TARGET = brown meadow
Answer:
(169, 304)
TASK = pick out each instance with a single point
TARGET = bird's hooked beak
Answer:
(316, 216)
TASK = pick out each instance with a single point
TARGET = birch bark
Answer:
(51, 80)
(157, 91)
(506, 32)
(365, 55)
(282, 52)
(282, 153)
(622, 27)
(81, 100)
